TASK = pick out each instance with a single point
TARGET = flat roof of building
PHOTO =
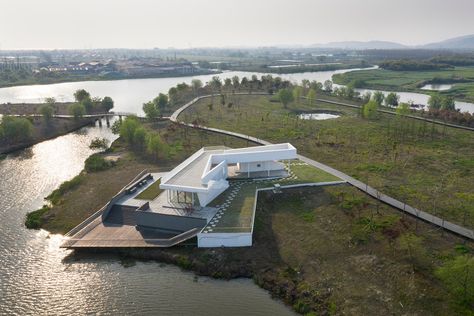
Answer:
(189, 173)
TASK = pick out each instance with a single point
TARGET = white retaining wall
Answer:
(213, 240)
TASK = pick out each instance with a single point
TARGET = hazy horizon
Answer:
(87, 24)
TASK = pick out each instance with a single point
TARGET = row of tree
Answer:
(85, 104)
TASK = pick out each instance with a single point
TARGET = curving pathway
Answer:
(437, 221)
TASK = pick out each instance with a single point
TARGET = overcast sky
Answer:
(52, 24)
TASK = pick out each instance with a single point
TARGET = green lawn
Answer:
(238, 216)
(151, 192)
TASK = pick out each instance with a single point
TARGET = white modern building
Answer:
(204, 175)
(211, 196)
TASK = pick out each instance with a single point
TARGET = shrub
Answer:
(97, 162)
(65, 187)
(99, 143)
(458, 276)
(16, 128)
(35, 219)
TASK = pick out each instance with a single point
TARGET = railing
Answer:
(94, 216)
(117, 243)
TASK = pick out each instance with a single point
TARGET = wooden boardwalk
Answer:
(437, 221)
(97, 232)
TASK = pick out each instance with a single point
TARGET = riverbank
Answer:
(43, 131)
(59, 108)
(312, 248)
(80, 78)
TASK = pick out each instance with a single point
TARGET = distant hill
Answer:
(362, 45)
(456, 43)
(462, 42)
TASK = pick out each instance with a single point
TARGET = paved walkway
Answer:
(462, 231)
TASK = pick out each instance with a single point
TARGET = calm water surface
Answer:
(129, 95)
(437, 87)
(318, 116)
(38, 278)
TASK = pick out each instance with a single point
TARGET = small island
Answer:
(318, 248)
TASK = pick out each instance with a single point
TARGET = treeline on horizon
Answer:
(434, 63)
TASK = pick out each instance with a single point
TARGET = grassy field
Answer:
(462, 77)
(353, 260)
(426, 165)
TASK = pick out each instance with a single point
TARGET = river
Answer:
(39, 278)
(129, 95)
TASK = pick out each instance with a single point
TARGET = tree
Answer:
(369, 110)
(77, 110)
(88, 104)
(227, 83)
(156, 147)
(447, 103)
(173, 94)
(80, 95)
(107, 104)
(349, 93)
(285, 96)
(196, 84)
(378, 97)
(128, 128)
(412, 245)
(392, 99)
(315, 85)
(305, 83)
(50, 100)
(434, 102)
(458, 276)
(297, 92)
(161, 102)
(328, 85)
(366, 96)
(235, 81)
(244, 82)
(150, 110)
(47, 112)
(139, 138)
(16, 129)
(403, 109)
(216, 83)
(311, 96)
(467, 204)
(182, 86)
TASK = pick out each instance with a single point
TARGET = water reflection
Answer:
(318, 116)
